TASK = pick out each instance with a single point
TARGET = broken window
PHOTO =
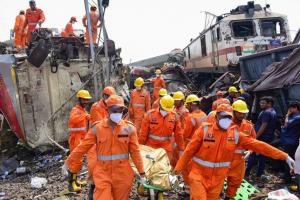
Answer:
(243, 28)
(271, 27)
(203, 46)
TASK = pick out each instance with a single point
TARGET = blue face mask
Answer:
(116, 117)
(225, 123)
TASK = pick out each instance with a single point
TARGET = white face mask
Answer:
(225, 123)
(116, 117)
(157, 75)
(163, 112)
(138, 88)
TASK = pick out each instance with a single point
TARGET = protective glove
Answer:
(65, 172)
(290, 162)
(143, 179)
(247, 154)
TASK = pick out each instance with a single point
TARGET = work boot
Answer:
(73, 187)
(91, 191)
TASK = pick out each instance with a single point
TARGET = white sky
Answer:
(143, 28)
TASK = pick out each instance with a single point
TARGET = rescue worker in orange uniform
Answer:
(192, 123)
(212, 115)
(99, 111)
(180, 108)
(140, 103)
(159, 125)
(220, 100)
(34, 16)
(20, 33)
(212, 150)
(115, 140)
(69, 30)
(162, 92)
(237, 169)
(95, 24)
(78, 126)
(182, 112)
(158, 83)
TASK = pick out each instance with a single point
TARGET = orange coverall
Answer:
(78, 125)
(98, 112)
(211, 117)
(211, 151)
(112, 175)
(157, 131)
(20, 33)
(182, 113)
(140, 103)
(155, 105)
(218, 102)
(192, 123)
(158, 83)
(69, 31)
(95, 23)
(32, 18)
(236, 171)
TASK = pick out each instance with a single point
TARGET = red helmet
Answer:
(73, 19)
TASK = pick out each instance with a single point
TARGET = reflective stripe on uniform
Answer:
(240, 151)
(155, 137)
(236, 136)
(113, 157)
(211, 164)
(138, 105)
(198, 120)
(77, 129)
(94, 130)
(205, 129)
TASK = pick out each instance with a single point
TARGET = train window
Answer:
(243, 28)
(271, 27)
(203, 46)
(219, 37)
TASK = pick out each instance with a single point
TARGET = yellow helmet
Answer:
(242, 91)
(139, 82)
(240, 106)
(163, 92)
(84, 94)
(158, 71)
(178, 95)
(167, 103)
(232, 89)
(192, 98)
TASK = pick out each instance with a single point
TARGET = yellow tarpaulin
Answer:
(157, 166)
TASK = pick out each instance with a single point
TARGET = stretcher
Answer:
(245, 191)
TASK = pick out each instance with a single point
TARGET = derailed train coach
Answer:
(245, 30)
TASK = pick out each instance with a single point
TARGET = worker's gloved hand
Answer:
(143, 179)
(290, 162)
(65, 172)
(247, 154)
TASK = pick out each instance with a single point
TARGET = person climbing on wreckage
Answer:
(212, 150)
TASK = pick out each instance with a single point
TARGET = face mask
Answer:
(138, 88)
(157, 75)
(225, 123)
(116, 117)
(163, 112)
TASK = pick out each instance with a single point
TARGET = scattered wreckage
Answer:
(38, 90)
